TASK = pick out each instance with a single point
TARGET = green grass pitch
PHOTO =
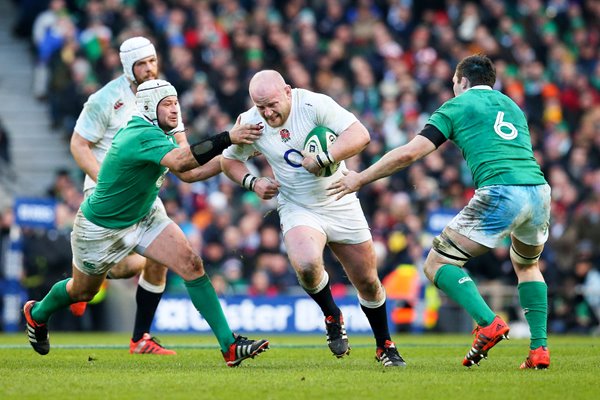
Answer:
(98, 366)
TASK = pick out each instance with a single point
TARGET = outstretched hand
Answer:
(245, 133)
(349, 183)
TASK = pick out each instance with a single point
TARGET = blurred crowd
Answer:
(391, 63)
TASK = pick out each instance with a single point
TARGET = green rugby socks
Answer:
(533, 297)
(204, 298)
(458, 285)
(56, 299)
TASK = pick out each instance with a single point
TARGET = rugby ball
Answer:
(319, 140)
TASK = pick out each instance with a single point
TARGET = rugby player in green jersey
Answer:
(512, 199)
(122, 215)
(104, 113)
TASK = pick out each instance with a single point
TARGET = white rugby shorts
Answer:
(96, 249)
(341, 223)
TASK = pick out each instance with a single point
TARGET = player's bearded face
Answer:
(167, 113)
(146, 69)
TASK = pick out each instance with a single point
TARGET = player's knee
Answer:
(154, 271)
(154, 267)
(306, 276)
(450, 251)
(430, 269)
(369, 287)
(127, 268)
(310, 278)
(306, 267)
(192, 267)
(522, 261)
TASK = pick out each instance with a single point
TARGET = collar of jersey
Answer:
(481, 87)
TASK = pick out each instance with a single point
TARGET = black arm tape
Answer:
(433, 134)
(207, 149)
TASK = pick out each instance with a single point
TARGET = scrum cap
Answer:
(149, 94)
(133, 50)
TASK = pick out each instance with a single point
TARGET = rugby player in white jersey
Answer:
(104, 113)
(310, 219)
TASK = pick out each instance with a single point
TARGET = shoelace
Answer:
(150, 342)
(242, 340)
(393, 354)
(389, 356)
(155, 340)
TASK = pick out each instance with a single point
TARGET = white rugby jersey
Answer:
(104, 113)
(282, 146)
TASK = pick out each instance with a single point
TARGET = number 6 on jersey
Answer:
(502, 124)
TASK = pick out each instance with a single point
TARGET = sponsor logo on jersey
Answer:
(285, 135)
(161, 178)
(118, 104)
(293, 158)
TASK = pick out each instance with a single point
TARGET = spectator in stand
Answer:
(49, 31)
(4, 145)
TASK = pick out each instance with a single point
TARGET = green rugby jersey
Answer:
(491, 131)
(130, 176)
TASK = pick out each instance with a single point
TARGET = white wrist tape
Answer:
(324, 159)
(248, 181)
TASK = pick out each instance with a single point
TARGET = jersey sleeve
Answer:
(154, 145)
(442, 119)
(450, 115)
(240, 152)
(93, 120)
(331, 114)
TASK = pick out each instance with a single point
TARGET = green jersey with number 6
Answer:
(130, 176)
(491, 131)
